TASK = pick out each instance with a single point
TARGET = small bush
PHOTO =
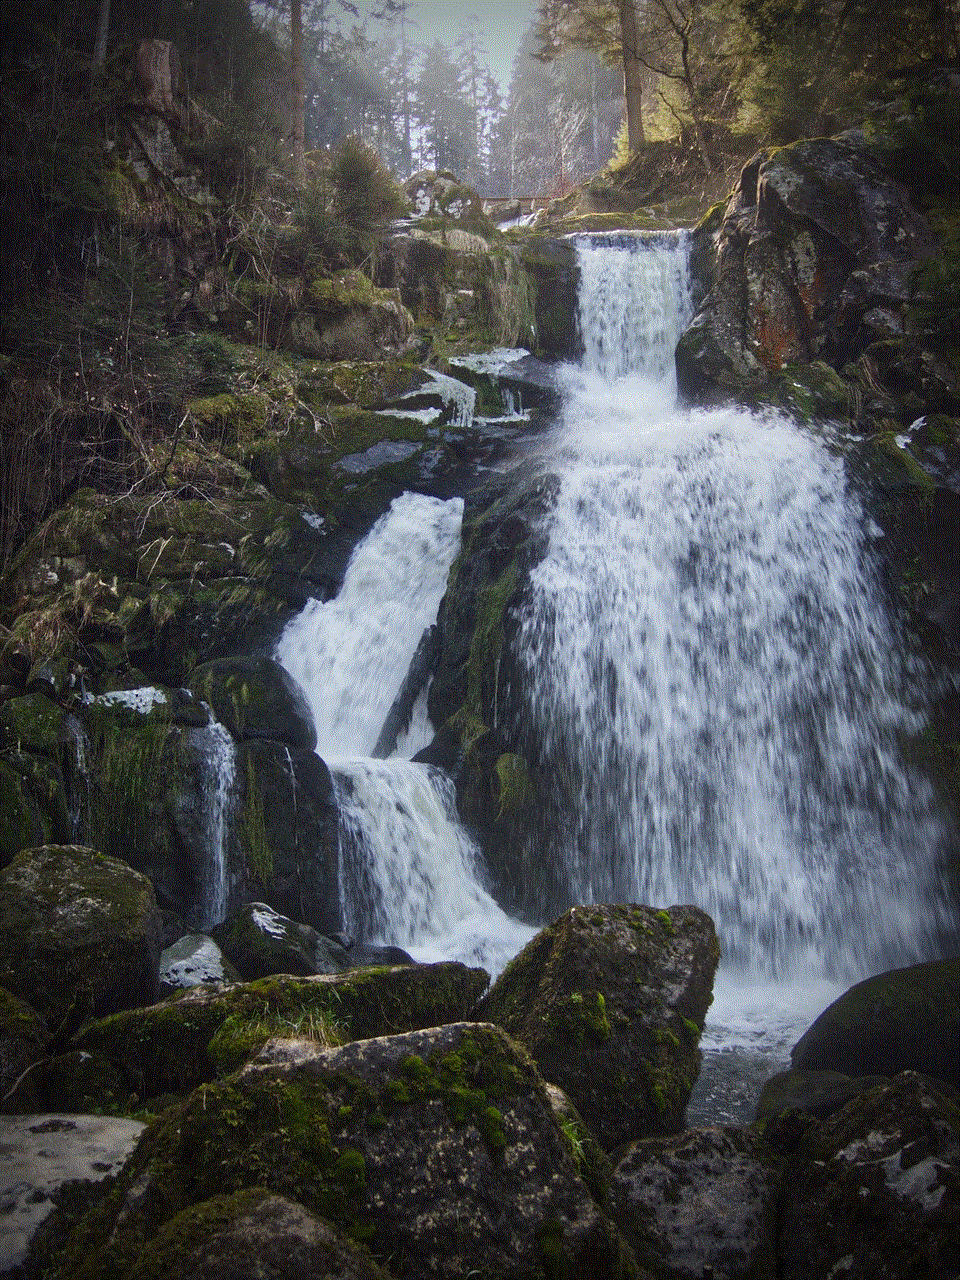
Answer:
(348, 203)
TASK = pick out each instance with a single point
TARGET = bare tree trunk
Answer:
(297, 94)
(100, 44)
(632, 86)
(694, 108)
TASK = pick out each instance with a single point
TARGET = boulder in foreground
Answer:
(79, 934)
(610, 1003)
(438, 1149)
(903, 1020)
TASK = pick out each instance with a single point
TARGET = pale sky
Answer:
(502, 23)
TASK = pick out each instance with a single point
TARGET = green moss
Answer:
(513, 783)
(237, 419)
(164, 1257)
(577, 1017)
(887, 444)
(333, 295)
(134, 766)
(253, 825)
(666, 920)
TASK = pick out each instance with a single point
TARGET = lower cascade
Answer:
(714, 686)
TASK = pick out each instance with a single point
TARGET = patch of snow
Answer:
(490, 362)
(425, 416)
(313, 520)
(267, 919)
(141, 700)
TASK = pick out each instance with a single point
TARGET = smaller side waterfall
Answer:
(409, 875)
(216, 758)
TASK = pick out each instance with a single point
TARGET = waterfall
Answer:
(215, 754)
(714, 685)
(410, 874)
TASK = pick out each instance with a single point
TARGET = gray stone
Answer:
(701, 1204)
(38, 1154)
(193, 960)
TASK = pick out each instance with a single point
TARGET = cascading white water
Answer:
(410, 875)
(712, 677)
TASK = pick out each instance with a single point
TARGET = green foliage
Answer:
(860, 46)
(346, 205)
(238, 152)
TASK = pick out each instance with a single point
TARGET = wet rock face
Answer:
(439, 1149)
(906, 1019)
(701, 1204)
(284, 836)
(254, 697)
(38, 1155)
(610, 1003)
(79, 933)
(814, 259)
(877, 1191)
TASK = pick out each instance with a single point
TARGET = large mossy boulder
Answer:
(874, 1191)
(438, 1149)
(254, 697)
(79, 934)
(703, 1203)
(903, 1020)
(196, 1034)
(610, 1002)
(817, 248)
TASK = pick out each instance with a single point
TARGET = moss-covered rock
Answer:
(167, 1048)
(610, 1002)
(903, 1020)
(33, 807)
(256, 698)
(437, 1149)
(250, 1235)
(474, 697)
(79, 933)
(875, 1189)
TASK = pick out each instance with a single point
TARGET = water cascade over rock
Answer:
(712, 678)
(410, 874)
(713, 692)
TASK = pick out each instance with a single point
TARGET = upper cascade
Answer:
(634, 302)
